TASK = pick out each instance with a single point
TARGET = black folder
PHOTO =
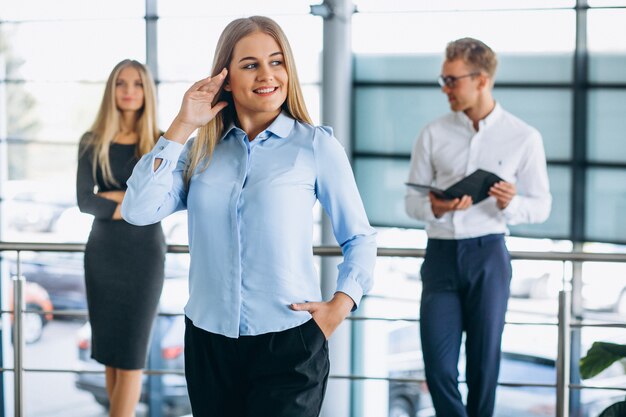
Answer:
(476, 185)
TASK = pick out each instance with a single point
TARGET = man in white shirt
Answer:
(467, 269)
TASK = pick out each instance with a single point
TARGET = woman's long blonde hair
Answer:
(108, 120)
(209, 134)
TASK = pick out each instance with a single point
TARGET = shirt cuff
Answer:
(167, 150)
(429, 215)
(510, 210)
(352, 289)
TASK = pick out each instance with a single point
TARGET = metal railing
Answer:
(564, 323)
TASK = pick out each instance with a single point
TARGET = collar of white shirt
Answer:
(489, 120)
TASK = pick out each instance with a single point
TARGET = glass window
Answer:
(549, 111)
(606, 205)
(558, 224)
(70, 9)
(389, 119)
(233, 9)
(43, 161)
(51, 111)
(606, 30)
(182, 57)
(412, 5)
(381, 183)
(74, 50)
(539, 31)
(420, 67)
(606, 126)
(606, 3)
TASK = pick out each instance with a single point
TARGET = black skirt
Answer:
(124, 278)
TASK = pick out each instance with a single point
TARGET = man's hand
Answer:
(328, 315)
(503, 192)
(441, 206)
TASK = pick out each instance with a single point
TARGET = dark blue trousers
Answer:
(465, 288)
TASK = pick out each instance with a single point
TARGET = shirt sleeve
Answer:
(416, 204)
(88, 201)
(153, 195)
(533, 201)
(337, 192)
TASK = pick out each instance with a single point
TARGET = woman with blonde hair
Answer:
(123, 263)
(256, 325)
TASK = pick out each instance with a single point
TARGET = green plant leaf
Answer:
(600, 356)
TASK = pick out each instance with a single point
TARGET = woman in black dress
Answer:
(123, 263)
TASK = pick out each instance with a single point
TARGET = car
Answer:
(604, 287)
(34, 320)
(531, 363)
(169, 342)
(34, 206)
(62, 274)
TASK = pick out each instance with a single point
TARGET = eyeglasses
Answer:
(450, 81)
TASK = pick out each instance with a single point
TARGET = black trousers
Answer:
(281, 374)
(465, 288)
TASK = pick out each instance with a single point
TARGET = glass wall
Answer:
(55, 58)
(545, 78)
(396, 95)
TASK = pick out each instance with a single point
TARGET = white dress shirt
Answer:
(449, 149)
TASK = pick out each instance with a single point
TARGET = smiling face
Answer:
(257, 77)
(129, 94)
(466, 92)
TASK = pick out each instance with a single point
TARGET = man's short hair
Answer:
(475, 53)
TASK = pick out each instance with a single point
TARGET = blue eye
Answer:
(275, 63)
(249, 66)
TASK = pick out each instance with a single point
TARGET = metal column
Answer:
(336, 111)
(18, 340)
(4, 175)
(563, 357)
(579, 185)
(155, 385)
